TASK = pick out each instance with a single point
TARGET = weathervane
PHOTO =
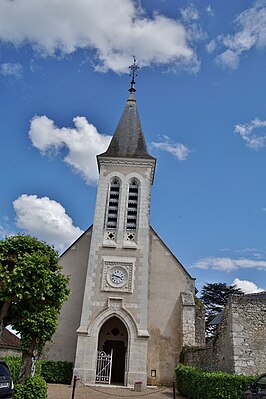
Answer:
(133, 73)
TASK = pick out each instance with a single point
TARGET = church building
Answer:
(132, 304)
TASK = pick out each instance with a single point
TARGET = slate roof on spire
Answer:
(128, 140)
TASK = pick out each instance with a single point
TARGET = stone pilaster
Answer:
(188, 319)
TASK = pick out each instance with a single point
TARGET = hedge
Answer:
(56, 372)
(47, 371)
(199, 384)
(14, 363)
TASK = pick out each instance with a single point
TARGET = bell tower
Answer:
(115, 303)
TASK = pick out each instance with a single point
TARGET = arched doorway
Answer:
(113, 338)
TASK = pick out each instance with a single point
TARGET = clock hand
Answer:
(118, 276)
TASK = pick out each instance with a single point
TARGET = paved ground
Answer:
(57, 391)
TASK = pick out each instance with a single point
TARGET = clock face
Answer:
(117, 276)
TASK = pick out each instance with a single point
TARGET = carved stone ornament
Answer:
(115, 304)
(130, 163)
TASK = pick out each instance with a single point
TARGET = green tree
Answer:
(32, 291)
(214, 297)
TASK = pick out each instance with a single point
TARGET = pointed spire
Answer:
(128, 140)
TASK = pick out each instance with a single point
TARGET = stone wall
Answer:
(9, 351)
(248, 333)
(188, 318)
(239, 344)
(199, 323)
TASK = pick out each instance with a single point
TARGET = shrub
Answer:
(52, 371)
(33, 388)
(14, 363)
(198, 384)
(57, 372)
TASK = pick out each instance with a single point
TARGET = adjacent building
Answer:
(238, 346)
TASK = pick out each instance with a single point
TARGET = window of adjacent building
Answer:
(113, 202)
(132, 206)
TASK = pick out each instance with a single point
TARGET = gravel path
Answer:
(57, 391)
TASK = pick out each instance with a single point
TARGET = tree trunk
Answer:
(4, 307)
(29, 358)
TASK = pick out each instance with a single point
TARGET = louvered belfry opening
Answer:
(132, 208)
(113, 203)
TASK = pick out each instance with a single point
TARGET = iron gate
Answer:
(104, 367)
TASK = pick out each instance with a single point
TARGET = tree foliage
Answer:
(32, 291)
(214, 297)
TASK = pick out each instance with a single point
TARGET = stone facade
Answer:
(168, 282)
(239, 345)
(74, 262)
(166, 328)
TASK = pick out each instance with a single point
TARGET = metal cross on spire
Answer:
(133, 73)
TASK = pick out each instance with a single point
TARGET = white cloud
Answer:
(254, 252)
(114, 29)
(210, 11)
(190, 17)
(11, 70)
(178, 150)
(45, 219)
(189, 13)
(226, 264)
(246, 132)
(5, 229)
(250, 32)
(83, 143)
(211, 46)
(228, 59)
(248, 287)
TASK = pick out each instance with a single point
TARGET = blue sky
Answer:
(201, 98)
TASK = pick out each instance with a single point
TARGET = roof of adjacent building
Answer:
(259, 295)
(217, 319)
(9, 339)
(128, 140)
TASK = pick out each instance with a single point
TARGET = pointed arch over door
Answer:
(113, 340)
